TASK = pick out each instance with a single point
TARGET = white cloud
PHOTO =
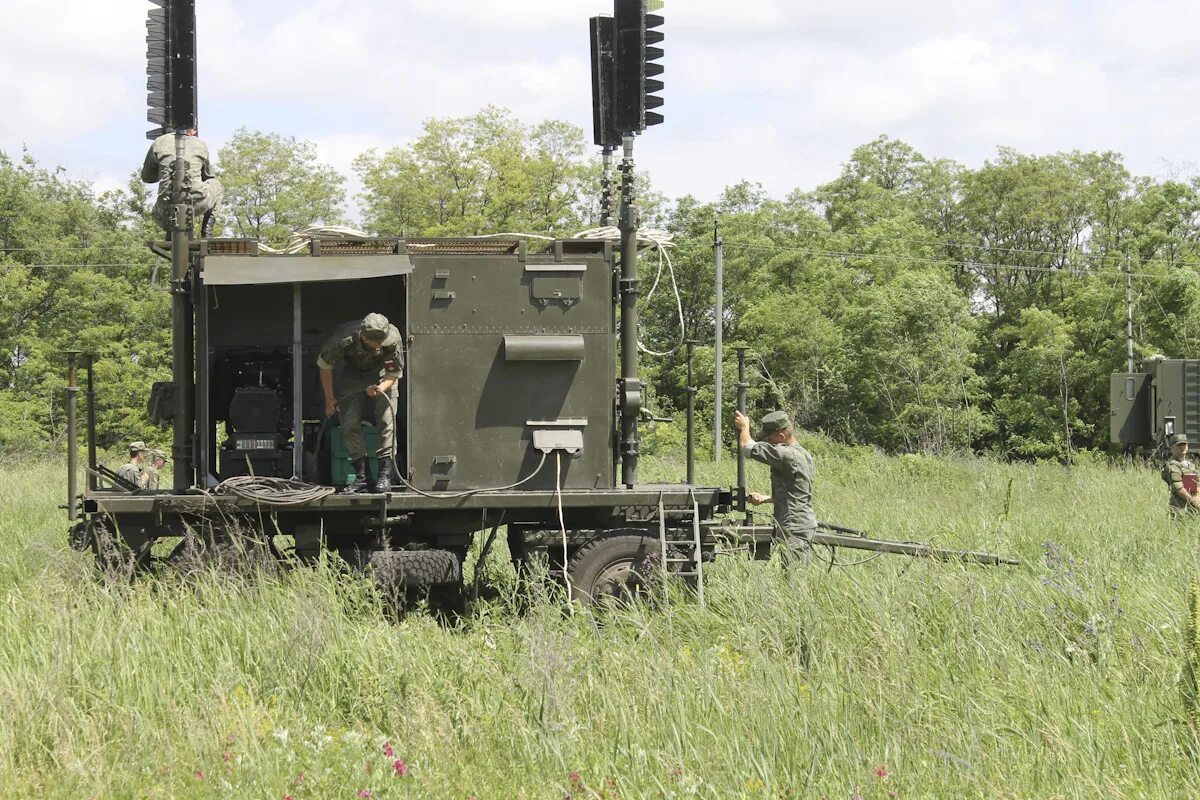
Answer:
(61, 68)
(775, 90)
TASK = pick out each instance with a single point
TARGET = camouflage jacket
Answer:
(791, 484)
(345, 344)
(160, 160)
(1173, 472)
(132, 473)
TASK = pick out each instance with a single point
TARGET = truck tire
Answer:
(416, 569)
(407, 576)
(618, 566)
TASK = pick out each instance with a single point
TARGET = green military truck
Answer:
(1150, 405)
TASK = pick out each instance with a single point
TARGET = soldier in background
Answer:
(791, 480)
(132, 470)
(1180, 475)
(373, 351)
(158, 460)
(201, 188)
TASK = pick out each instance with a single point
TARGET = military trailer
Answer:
(509, 413)
(1150, 405)
(519, 406)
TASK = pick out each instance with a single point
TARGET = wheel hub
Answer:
(618, 579)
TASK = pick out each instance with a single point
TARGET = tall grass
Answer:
(891, 678)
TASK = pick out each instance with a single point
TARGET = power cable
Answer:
(1064, 253)
(562, 526)
(282, 492)
(662, 241)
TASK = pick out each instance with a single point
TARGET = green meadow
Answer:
(856, 677)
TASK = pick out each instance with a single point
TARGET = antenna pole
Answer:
(631, 385)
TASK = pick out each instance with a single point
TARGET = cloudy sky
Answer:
(774, 91)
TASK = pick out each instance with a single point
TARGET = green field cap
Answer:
(775, 422)
(375, 327)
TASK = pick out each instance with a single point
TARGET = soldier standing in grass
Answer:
(132, 470)
(791, 480)
(1181, 477)
(158, 460)
(373, 351)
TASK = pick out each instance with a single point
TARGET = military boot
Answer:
(384, 484)
(359, 484)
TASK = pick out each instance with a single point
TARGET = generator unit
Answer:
(1162, 399)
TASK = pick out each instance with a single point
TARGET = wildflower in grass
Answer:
(387, 750)
(399, 768)
(881, 772)
(576, 781)
(199, 774)
(226, 756)
(364, 793)
(857, 793)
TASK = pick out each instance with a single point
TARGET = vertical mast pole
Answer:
(631, 386)
(719, 326)
(182, 352)
(72, 437)
(1128, 316)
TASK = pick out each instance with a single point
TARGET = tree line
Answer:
(911, 303)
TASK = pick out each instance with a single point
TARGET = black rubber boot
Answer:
(359, 484)
(384, 484)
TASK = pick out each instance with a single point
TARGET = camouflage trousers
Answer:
(355, 404)
(795, 547)
(203, 199)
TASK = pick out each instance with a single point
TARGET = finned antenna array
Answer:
(171, 66)
(626, 70)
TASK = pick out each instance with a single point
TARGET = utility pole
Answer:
(719, 254)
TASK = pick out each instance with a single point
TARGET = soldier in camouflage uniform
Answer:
(1179, 473)
(132, 470)
(200, 185)
(158, 460)
(374, 354)
(791, 480)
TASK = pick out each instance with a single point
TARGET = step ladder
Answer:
(684, 551)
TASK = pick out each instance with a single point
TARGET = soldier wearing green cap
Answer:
(1179, 473)
(132, 470)
(157, 460)
(373, 351)
(791, 479)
